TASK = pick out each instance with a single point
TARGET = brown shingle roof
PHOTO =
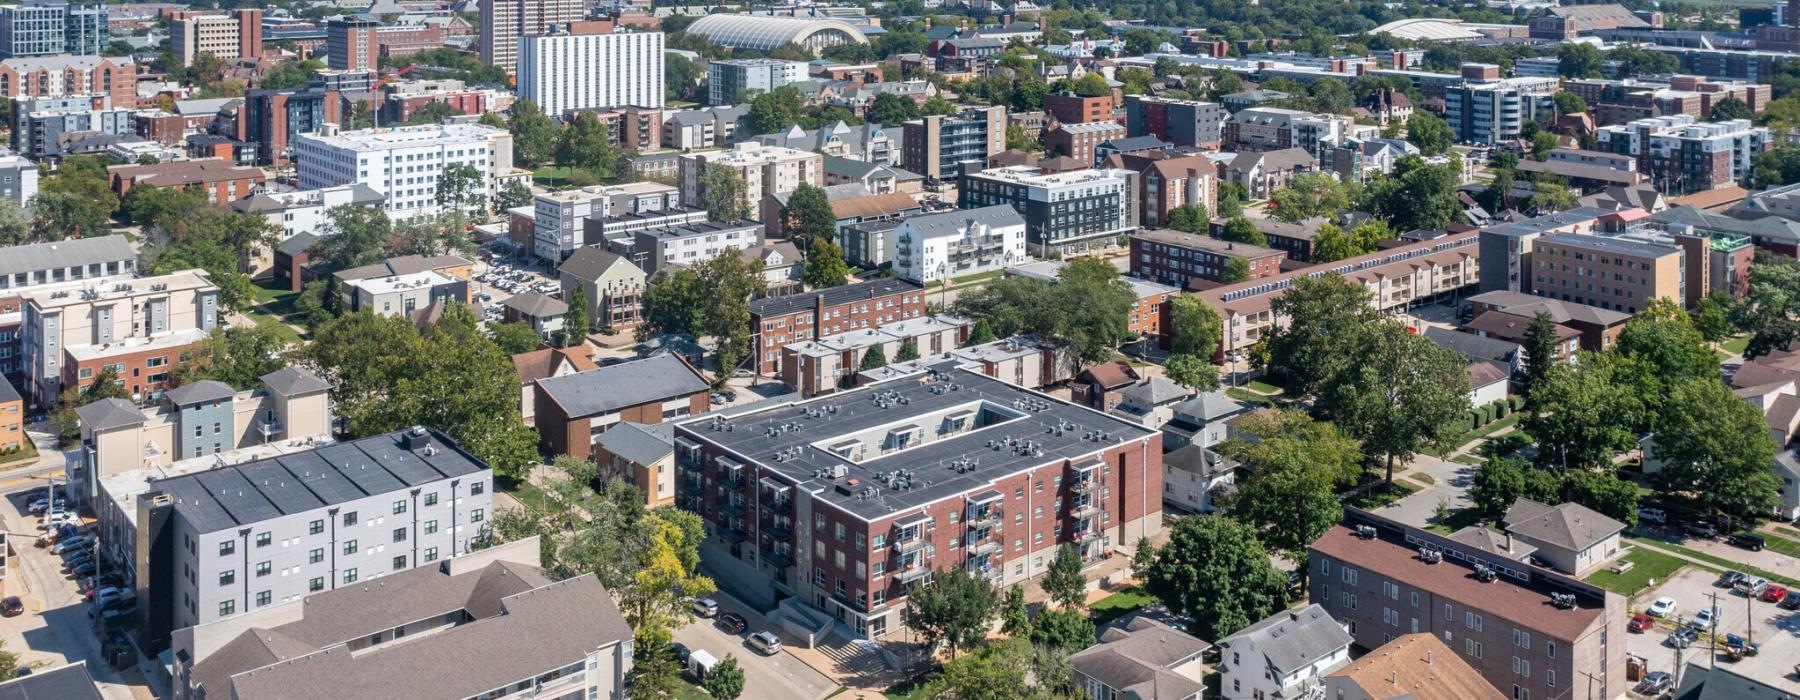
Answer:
(874, 205)
(540, 364)
(1417, 666)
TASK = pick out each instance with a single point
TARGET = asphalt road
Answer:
(778, 676)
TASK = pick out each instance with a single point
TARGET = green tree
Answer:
(1580, 416)
(1240, 230)
(1552, 197)
(1015, 617)
(433, 112)
(515, 193)
(811, 219)
(1569, 103)
(1192, 372)
(875, 358)
(983, 332)
(889, 108)
(162, 207)
(1310, 195)
(937, 106)
(575, 321)
(60, 215)
(954, 606)
(534, 134)
(1712, 317)
(777, 110)
(909, 351)
(825, 266)
(1418, 195)
(1188, 218)
(993, 671)
(9, 664)
(725, 681)
(1328, 321)
(1196, 328)
(238, 356)
(1539, 351)
(1236, 270)
(1430, 133)
(353, 236)
(1715, 451)
(1402, 397)
(1663, 336)
(1296, 466)
(1332, 244)
(585, 144)
(1577, 60)
(516, 337)
(462, 188)
(681, 77)
(1730, 108)
(1063, 581)
(15, 228)
(1605, 492)
(1068, 630)
(1215, 573)
(1497, 484)
(1232, 197)
(723, 194)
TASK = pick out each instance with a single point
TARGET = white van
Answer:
(700, 663)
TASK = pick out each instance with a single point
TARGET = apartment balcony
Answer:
(689, 487)
(910, 544)
(1086, 535)
(1091, 484)
(735, 535)
(781, 531)
(986, 519)
(857, 604)
(1085, 510)
(778, 558)
(734, 508)
(912, 573)
(988, 547)
(734, 482)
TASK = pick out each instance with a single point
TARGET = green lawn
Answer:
(1458, 520)
(270, 321)
(1423, 478)
(1120, 604)
(27, 452)
(1781, 544)
(907, 690)
(553, 176)
(1250, 397)
(689, 691)
(1383, 494)
(1262, 386)
(1723, 563)
(1470, 460)
(1736, 345)
(1490, 429)
(1646, 565)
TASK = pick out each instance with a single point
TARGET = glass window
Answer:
(316, 527)
(399, 507)
(227, 547)
(349, 546)
(227, 607)
(227, 576)
(349, 575)
(399, 534)
(263, 539)
(349, 518)
(316, 584)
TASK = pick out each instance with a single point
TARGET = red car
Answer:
(1774, 593)
(1641, 622)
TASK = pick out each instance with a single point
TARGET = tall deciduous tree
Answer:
(954, 606)
(587, 145)
(1403, 396)
(238, 356)
(725, 681)
(575, 321)
(1539, 351)
(1308, 195)
(534, 135)
(1663, 336)
(1214, 572)
(1015, 617)
(462, 188)
(1063, 580)
(1430, 133)
(1582, 414)
(825, 266)
(810, 217)
(353, 236)
(1197, 328)
(1328, 319)
(723, 194)
(1192, 372)
(1715, 451)
(1240, 230)
(1296, 467)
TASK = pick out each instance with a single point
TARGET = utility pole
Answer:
(1712, 636)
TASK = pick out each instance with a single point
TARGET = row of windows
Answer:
(264, 539)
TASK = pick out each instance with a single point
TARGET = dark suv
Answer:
(1746, 540)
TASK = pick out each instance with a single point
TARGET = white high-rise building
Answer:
(589, 66)
(402, 163)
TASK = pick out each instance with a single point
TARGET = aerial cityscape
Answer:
(900, 350)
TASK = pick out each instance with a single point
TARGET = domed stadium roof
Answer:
(764, 33)
(1428, 29)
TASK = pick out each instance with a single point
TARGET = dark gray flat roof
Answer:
(792, 452)
(71, 682)
(782, 306)
(612, 387)
(252, 492)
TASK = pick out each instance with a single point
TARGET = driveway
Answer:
(1450, 484)
(779, 676)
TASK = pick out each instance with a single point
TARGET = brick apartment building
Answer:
(1070, 108)
(836, 503)
(222, 182)
(139, 328)
(1166, 182)
(1079, 139)
(574, 409)
(60, 76)
(1630, 99)
(1185, 259)
(1505, 624)
(778, 321)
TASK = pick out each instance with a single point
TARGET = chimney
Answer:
(1509, 540)
(1427, 657)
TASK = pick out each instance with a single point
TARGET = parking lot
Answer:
(1775, 629)
(500, 280)
(778, 676)
(54, 627)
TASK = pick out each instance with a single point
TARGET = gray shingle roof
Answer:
(1211, 405)
(106, 414)
(639, 443)
(933, 225)
(834, 296)
(1294, 639)
(298, 243)
(612, 387)
(1136, 659)
(1471, 346)
(256, 491)
(76, 252)
(536, 305)
(1569, 525)
(199, 392)
(293, 381)
(1195, 459)
(71, 682)
(592, 262)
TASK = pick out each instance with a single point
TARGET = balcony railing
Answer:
(689, 487)
(735, 535)
(1085, 510)
(734, 482)
(984, 519)
(910, 544)
(779, 559)
(1087, 485)
(781, 531)
(912, 573)
(735, 508)
(1086, 535)
(988, 547)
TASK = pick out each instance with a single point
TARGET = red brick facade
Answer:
(771, 331)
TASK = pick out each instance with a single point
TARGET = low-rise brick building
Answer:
(574, 409)
(222, 181)
(776, 322)
(1188, 259)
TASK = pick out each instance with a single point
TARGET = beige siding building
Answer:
(138, 328)
(766, 170)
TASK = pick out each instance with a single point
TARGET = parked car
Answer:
(38, 506)
(1654, 684)
(1703, 620)
(706, 607)
(1730, 579)
(1662, 607)
(11, 606)
(1774, 594)
(58, 519)
(1751, 586)
(1652, 515)
(1681, 637)
(1746, 540)
(733, 623)
(1792, 601)
(67, 543)
(765, 642)
(1639, 623)
(1701, 529)
(86, 568)
(105, 592)
(681, 652)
